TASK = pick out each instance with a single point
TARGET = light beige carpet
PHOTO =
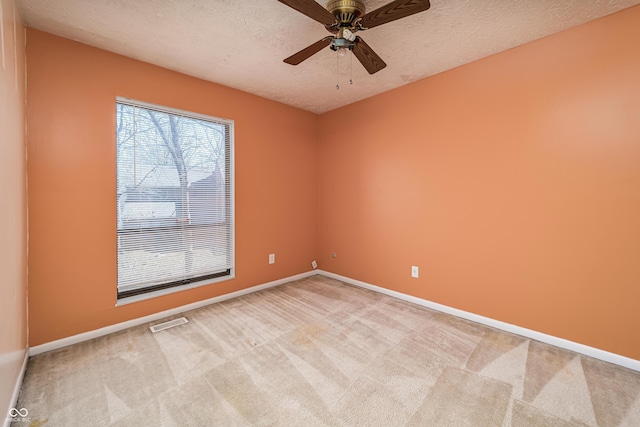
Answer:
(320, 352)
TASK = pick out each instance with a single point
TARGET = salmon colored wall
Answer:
(512, 182)
(72, 90)
(13, 208)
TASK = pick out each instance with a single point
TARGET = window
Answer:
(174, 198)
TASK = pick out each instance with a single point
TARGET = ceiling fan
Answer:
(344, 18)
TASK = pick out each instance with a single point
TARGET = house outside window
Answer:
(174, 199)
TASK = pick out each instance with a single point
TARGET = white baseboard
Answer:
(157, 316)
(518, 330)
(16, 388)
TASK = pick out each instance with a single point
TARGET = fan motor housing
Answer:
(346, 11)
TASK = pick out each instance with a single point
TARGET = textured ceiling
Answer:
(241, 43)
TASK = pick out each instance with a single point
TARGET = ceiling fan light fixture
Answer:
(341, 43)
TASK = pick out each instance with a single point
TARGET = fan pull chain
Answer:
(350, 67)
(337, 69)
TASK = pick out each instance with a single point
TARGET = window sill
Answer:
(163, 292)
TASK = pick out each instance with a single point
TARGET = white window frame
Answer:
(147, 294)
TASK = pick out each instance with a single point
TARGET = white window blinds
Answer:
(174, 197)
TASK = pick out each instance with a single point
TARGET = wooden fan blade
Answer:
(311, 9)
(307, 52)
(392, 11)
(367, 57)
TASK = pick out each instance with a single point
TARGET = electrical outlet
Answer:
(314, 264)
(414, 271)
(272, 258)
